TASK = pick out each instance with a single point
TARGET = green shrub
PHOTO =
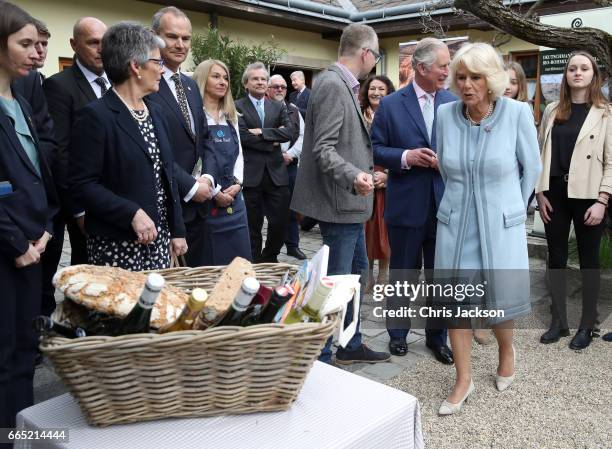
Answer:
(236, 54)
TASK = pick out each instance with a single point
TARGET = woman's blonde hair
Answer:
(523, 91)
(226, 104)
(482, 59)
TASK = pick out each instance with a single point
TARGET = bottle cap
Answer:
(250, 285)
(155, 282)
(199, 295)
(281, 291)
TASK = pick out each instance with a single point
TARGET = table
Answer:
(334, 410)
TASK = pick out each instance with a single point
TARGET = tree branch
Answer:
(596, 41)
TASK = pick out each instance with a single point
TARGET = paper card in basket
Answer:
(346, 287)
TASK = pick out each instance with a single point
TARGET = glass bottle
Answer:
(45, 325)
(194, 304)
(310, 312)
(238, 309)
(279, 298)
(139, 319)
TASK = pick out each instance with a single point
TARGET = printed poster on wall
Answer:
(552, 64)
(406, 49)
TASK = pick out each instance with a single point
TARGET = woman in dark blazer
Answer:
(27, 203)
(121, 165)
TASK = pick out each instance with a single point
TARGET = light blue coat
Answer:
(498, 183)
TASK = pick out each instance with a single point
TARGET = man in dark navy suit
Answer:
(181, 101)
(404, 140)
(67, 92)
(300, 96)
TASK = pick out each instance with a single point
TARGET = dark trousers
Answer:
(588, 238)
(196, 241)
(273, 201)
(292, 238)
(20, 294)
(53, 253)
(347, 255)
(411, 249)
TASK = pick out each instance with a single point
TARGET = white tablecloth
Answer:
(335, 409)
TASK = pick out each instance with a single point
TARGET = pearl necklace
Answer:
(487, 115)
(139, 116)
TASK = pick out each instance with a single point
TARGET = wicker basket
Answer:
(223, 370)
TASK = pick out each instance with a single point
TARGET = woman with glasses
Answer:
(121, 165)
(227, 229)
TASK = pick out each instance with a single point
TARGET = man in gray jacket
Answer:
(334, 183)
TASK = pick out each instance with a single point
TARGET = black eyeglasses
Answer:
(278, 87)
(376, 55)
(159, 62)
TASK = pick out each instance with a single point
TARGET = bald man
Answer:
(67, 92)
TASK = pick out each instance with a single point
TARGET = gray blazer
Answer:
(336, 149)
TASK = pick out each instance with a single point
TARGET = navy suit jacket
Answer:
(27, 212)
(302, 102)
(399, 125)
(260, 152)
(187, 147)
(111, 172)
(30, 88)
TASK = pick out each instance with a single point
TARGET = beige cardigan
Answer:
(591, 164)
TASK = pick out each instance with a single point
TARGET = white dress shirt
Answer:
(296, 150)
(91, 77)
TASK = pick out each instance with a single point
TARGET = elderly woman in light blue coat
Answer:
(489, 160)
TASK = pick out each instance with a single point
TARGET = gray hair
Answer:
(156, 22)
(276, 77)
(123, 43)
(299, 74)
(255, 66)
(355, 37)
(426, 52)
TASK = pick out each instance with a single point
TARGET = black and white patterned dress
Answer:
(131, 255)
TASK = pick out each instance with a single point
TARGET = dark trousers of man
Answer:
(273, 201)
(21, 292)
(588, 238)
(347, 255)
(53, 253)
(292, 238)
(412, 248)
(196, 240)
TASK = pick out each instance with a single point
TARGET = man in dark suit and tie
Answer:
(181, 102)
(404, 139)
(300, 96)
(66, 93)
(264, 125)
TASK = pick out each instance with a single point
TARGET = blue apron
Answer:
(227, 230)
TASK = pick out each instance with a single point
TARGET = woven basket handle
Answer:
(177, 261)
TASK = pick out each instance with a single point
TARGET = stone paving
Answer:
(47, 385)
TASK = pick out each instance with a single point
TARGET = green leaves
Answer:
(236, 54)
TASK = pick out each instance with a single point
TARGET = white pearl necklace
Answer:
(487, 115)
(139, 116)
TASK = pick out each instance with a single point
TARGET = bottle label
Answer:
(147, 298)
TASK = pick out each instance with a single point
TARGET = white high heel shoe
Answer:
(502, 383)
(448, 408)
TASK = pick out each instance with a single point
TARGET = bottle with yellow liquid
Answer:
(310, 312)
(184, 322)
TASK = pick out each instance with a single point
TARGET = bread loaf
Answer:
(224, 292)
(115, 291)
